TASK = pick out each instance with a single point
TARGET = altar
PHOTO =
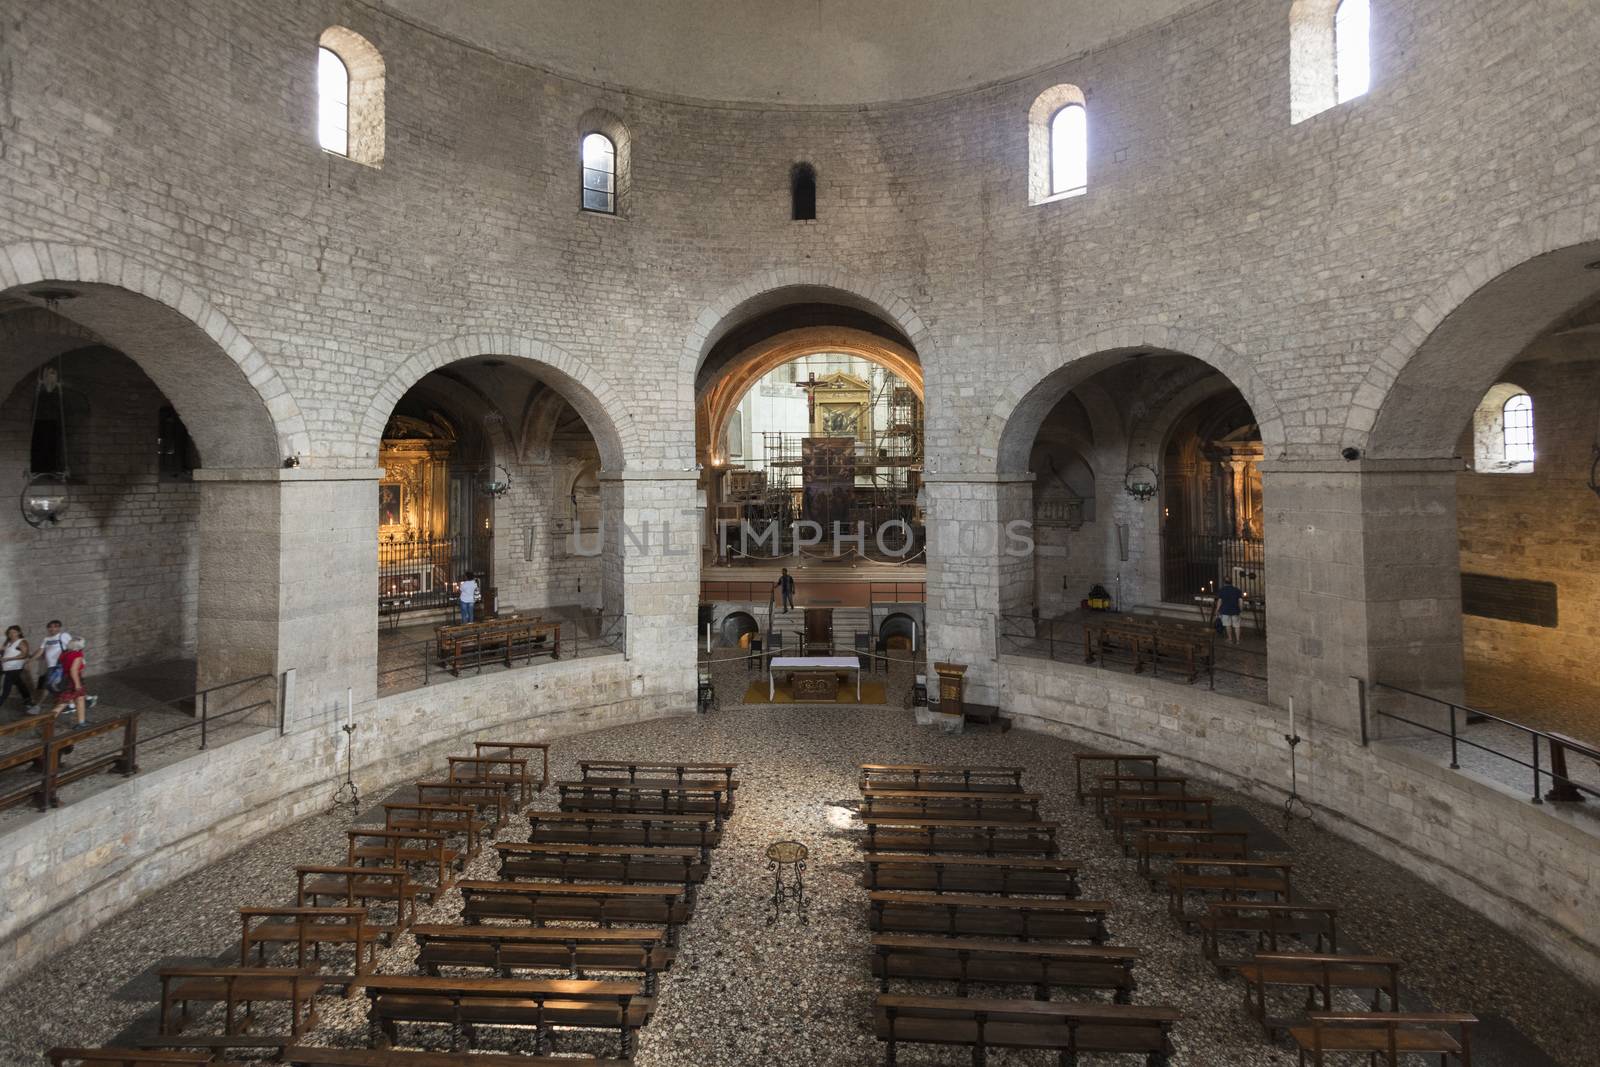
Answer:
(822, 666)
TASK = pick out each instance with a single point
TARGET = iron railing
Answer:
(413, 664)
(1065, 640)
(1542, 750)
(1195, 564)
(424, 573)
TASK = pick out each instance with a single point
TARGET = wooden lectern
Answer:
(951, 683)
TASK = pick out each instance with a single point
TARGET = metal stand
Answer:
(1290, 812)
(348, 792)
(787, 864)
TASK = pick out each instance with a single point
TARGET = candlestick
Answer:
(1291, 717)
(349, 707)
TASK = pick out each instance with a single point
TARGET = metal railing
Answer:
(761, 660)
(1196, 563)
(424, 573)
(1061, 639)
(414, 664)
(219, 704)
(897, 592)
(1541, 764)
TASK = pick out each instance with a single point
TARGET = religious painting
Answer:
(391, 509)
(840, 420)
(841, 406)
(828, 468)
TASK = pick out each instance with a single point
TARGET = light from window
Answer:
(333, 103)
(1069, 151)
(599, 174)
(1518, 428)
(1352, 48)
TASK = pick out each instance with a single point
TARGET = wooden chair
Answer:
(911, 834)
(975, 915)
(1386, 1034)
(1067, 1028)
(1006, 875)
(968, 962)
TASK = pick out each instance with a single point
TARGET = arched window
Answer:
(350, 82)
(333, 102)
(803, 193)
(599, 174)
(1516, 429)
(1069, 151)
(1352, 48)
(1058, 145)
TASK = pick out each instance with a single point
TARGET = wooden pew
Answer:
(949, 804)
(972, 874)
(369, 887)
(669, 799)
(503, 639)
(1188, 812)
(465, 1004)
(1116, 759)
(1322, 976)
(977, 915)
(628, 864)
(127, 1057)
(1043, 966)
(541, 902)
(31, 750)
(624, 828)
(1193, 844)
(1225, 880)
(308, 1056)
(573, 950)
(236, 987)
(514, 749)
(947, 777)
(123, 759)
(990, 837)
(269, 928)
(487, 797)
(1119, 784)
(451, 820)
(509, 772)
(1268, 925)
(1387, 1034)
(406, 849)
(633, 770)
(1065, 1027)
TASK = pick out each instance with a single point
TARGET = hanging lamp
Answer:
(45, 496)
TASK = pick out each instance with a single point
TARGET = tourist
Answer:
(1226, 608)
(468, 595)
(73, 695)
(785, 584)
(14, 656)
(49, 650)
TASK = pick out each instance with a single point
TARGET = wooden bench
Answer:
(666, 799)
(590, 768)
(1192, 844)
(523, 749)
(452, 820)
(964, 962)
(540, 902)
(1266, 925)
(990, 837)
(1071, 1029)
(484, 796)
(123, 759)
(972, 874)
(306, 1056)
(127, 1057)
(31, 751)
(506, 639)
(1116, 759)
(509, 772)
(949, 804)
(421, 850)
(1387, 1034)
(977, 915)
(308, 927)
(628, 864)
(1187, 812)
(624, 828)
(942, 776)
(369, 887)
(464, 1004)
(574, 950)
(1124, 785)
(1225, 880)
(236, 987)
(1147, 640)
(1321, 976)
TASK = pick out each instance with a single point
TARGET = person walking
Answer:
(468, 594)
(74, 696)
(14, 656)
(1227, 608)
(785, 584)
(49, 651)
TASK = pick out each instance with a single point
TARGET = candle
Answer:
(1291, 717)
(708, 639)
(349, 707)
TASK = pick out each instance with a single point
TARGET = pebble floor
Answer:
(742, 991)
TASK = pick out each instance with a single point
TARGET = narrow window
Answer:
(803, 193)
(599, 174)
(333, 102)
(1517, 429)
(175, 452)
(1352, 48)
(1069, 151)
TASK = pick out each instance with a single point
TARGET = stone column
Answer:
(980, 577)
(1363, 581)
(288, 579)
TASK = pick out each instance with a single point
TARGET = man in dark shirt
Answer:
(1227, 608)
(785, 585)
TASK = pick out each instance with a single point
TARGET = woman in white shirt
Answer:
(468, 596)
(14, 656)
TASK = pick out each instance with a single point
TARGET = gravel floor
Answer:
(742, 991)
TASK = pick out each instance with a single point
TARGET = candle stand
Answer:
(348, 792)
(1295, 807)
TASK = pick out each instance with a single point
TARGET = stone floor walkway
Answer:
(742, 991)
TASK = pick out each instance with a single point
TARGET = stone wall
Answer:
(1533, 870)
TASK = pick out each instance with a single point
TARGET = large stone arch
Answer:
(589, 394)
(238, 410)
(1421, 389)
(1022, 404)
